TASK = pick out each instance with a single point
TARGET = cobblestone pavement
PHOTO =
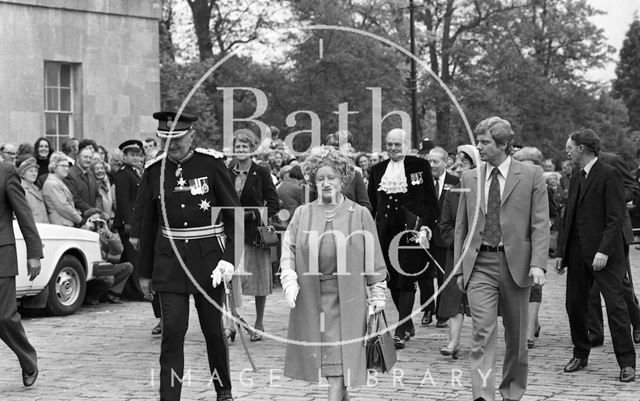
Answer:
(106, 352)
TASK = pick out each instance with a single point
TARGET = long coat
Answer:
(304, 361)
(59, 201)
(13, 202)
(33, 194)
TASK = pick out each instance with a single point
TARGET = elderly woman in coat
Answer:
(28, 171)
(57, 197)
(332, 256)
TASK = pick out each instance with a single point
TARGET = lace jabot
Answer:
(394, 180)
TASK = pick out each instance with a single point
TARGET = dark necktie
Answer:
(436, 183)
(492, 225)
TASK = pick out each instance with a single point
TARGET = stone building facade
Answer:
(78, 68)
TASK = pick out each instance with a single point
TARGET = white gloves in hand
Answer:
(377, 297)
(223, 271)
(289, 280)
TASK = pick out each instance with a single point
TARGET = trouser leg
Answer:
(217, 350)
(483, 294)
(175, 321)
(11, 330)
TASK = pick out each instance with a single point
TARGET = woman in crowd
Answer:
(106, 190)
(42, 151)
(255, 189)
(57, 197)
(362, 161)
(531, 155)
(276, 160)
(453, 302)
(28, 172)
(342, 268)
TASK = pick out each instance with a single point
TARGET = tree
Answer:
(201, 10)
(627, 82)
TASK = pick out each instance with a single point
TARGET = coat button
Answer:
(186, 224)
(388, 206)
(182, 206)
(186, 241)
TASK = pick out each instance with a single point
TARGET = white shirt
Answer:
(440, 183)
(588, 167)
(502, 179)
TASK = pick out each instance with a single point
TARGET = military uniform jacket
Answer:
(390, 210)
(127, 182)
(191, 188)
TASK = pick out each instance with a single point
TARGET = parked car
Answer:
(71, 258)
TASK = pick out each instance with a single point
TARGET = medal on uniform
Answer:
(416, 178)
(199, 186)
(180, 187)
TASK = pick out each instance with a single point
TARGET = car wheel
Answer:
(67, 287)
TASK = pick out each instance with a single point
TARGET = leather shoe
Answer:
(427, 318)
(29, 378)
(627, 374)
(158, 329)
(398, 342)
(442, 323)
(575, 364)
(636, 334)
(111, 298)
(224, 395)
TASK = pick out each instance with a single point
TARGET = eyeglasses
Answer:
(9, 153)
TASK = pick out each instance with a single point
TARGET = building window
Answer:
(58, 102)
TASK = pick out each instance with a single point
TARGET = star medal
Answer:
(204, 205)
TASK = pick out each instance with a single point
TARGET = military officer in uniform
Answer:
(195, 181)
(127, 181)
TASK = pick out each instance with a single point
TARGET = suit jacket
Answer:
(524, 220)
(596, 214)
(419, 200)
(450, 180)
(84, 188)
(291, 195)
(13, 202)
(258, 190)
(631, 188)
(127, 182)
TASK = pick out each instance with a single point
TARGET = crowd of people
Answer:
(415, 207)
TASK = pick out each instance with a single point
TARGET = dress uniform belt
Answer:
(212, 231)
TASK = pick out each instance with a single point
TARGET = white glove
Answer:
(223, 271)
(377, 297)
(424, 236)
(290, 287)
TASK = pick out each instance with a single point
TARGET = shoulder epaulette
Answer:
(154, 160)
(210, 152)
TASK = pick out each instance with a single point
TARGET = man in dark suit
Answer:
(13, 202)
(442, 181)
(502, 244)
(82, 183)
(179, 231)
(595, 326)
(592, 247)
(405, 209)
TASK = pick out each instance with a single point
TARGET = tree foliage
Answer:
(627, 83)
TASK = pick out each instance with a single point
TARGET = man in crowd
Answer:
(70, 148)
(127, 182)
(595, 321)
(592, 247)
(150, 148)
(82, 183)
(195, 183)
(290, 190)
(13, 203)
(434, 275)
(504, 255)
(9, 152)
(106, 288)
(405, 208)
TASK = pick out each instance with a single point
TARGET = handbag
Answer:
(380, 351)
(267, 237)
